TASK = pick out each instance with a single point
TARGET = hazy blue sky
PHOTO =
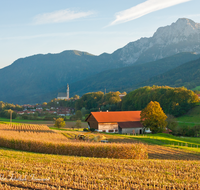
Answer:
(29, 27)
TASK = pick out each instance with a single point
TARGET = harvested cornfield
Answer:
(42, 171)
(23, 132)
(25, 127)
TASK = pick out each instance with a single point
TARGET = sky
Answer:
(48, 26)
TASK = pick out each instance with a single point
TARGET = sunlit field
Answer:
(43, 171)
(36, 138)
(126, 162)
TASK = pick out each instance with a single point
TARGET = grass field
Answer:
(196, 88)
(192, 118)
(153, 139)
(160, 146)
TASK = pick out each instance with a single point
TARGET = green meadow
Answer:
(192, 118)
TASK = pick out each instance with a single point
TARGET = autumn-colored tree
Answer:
(44, 104)
(112, 98)
(76, 97)
(59, 123)
(153, 117)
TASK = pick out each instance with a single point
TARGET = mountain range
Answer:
(39, 78)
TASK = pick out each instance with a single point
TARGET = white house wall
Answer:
(107, 126)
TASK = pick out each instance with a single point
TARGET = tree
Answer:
(59, 122)
(76, 97)
(153, 117)
(174, 101)
(112, 98)
(78, 124)
(172, 124)
(83, 111)
(78, 114)
(44, 104)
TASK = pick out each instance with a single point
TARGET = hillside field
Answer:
(196, 88)
(126, 162)
(192, 118)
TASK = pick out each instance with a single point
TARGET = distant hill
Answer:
(38, 78)
(187, 75)
(31, 79)
(129, 77)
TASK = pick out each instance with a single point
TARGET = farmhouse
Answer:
(116, 121)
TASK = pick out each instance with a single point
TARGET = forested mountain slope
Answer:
(187, 75)
(30, 79)
(129, 77)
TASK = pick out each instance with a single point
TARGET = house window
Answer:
(110, 130)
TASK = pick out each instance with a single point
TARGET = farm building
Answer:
(116, 121)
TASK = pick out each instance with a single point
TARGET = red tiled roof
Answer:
(135, 124)
(116, 116)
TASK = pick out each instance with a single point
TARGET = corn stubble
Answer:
(69, 172)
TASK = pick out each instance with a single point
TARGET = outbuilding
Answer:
(116, 121)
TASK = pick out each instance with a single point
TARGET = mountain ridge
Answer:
(163, 43)
(128, 77)
(33, 78)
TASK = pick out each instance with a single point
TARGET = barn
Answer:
(116, 121)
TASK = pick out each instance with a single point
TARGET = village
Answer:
(43, 109)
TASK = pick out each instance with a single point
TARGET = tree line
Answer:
(95, 101)
(5, 107)
(174, 101)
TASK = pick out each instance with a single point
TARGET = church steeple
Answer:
(67, 91)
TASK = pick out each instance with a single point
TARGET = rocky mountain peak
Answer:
(181, 36)
(183, 27)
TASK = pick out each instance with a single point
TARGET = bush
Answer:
(92, 129)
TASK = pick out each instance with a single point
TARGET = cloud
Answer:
(142, 9)
(63, 35)
(41, 36)
(60, 16)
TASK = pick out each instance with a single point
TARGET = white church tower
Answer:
(67, 91)
(64, 95)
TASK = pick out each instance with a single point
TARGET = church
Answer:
(63, 95)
